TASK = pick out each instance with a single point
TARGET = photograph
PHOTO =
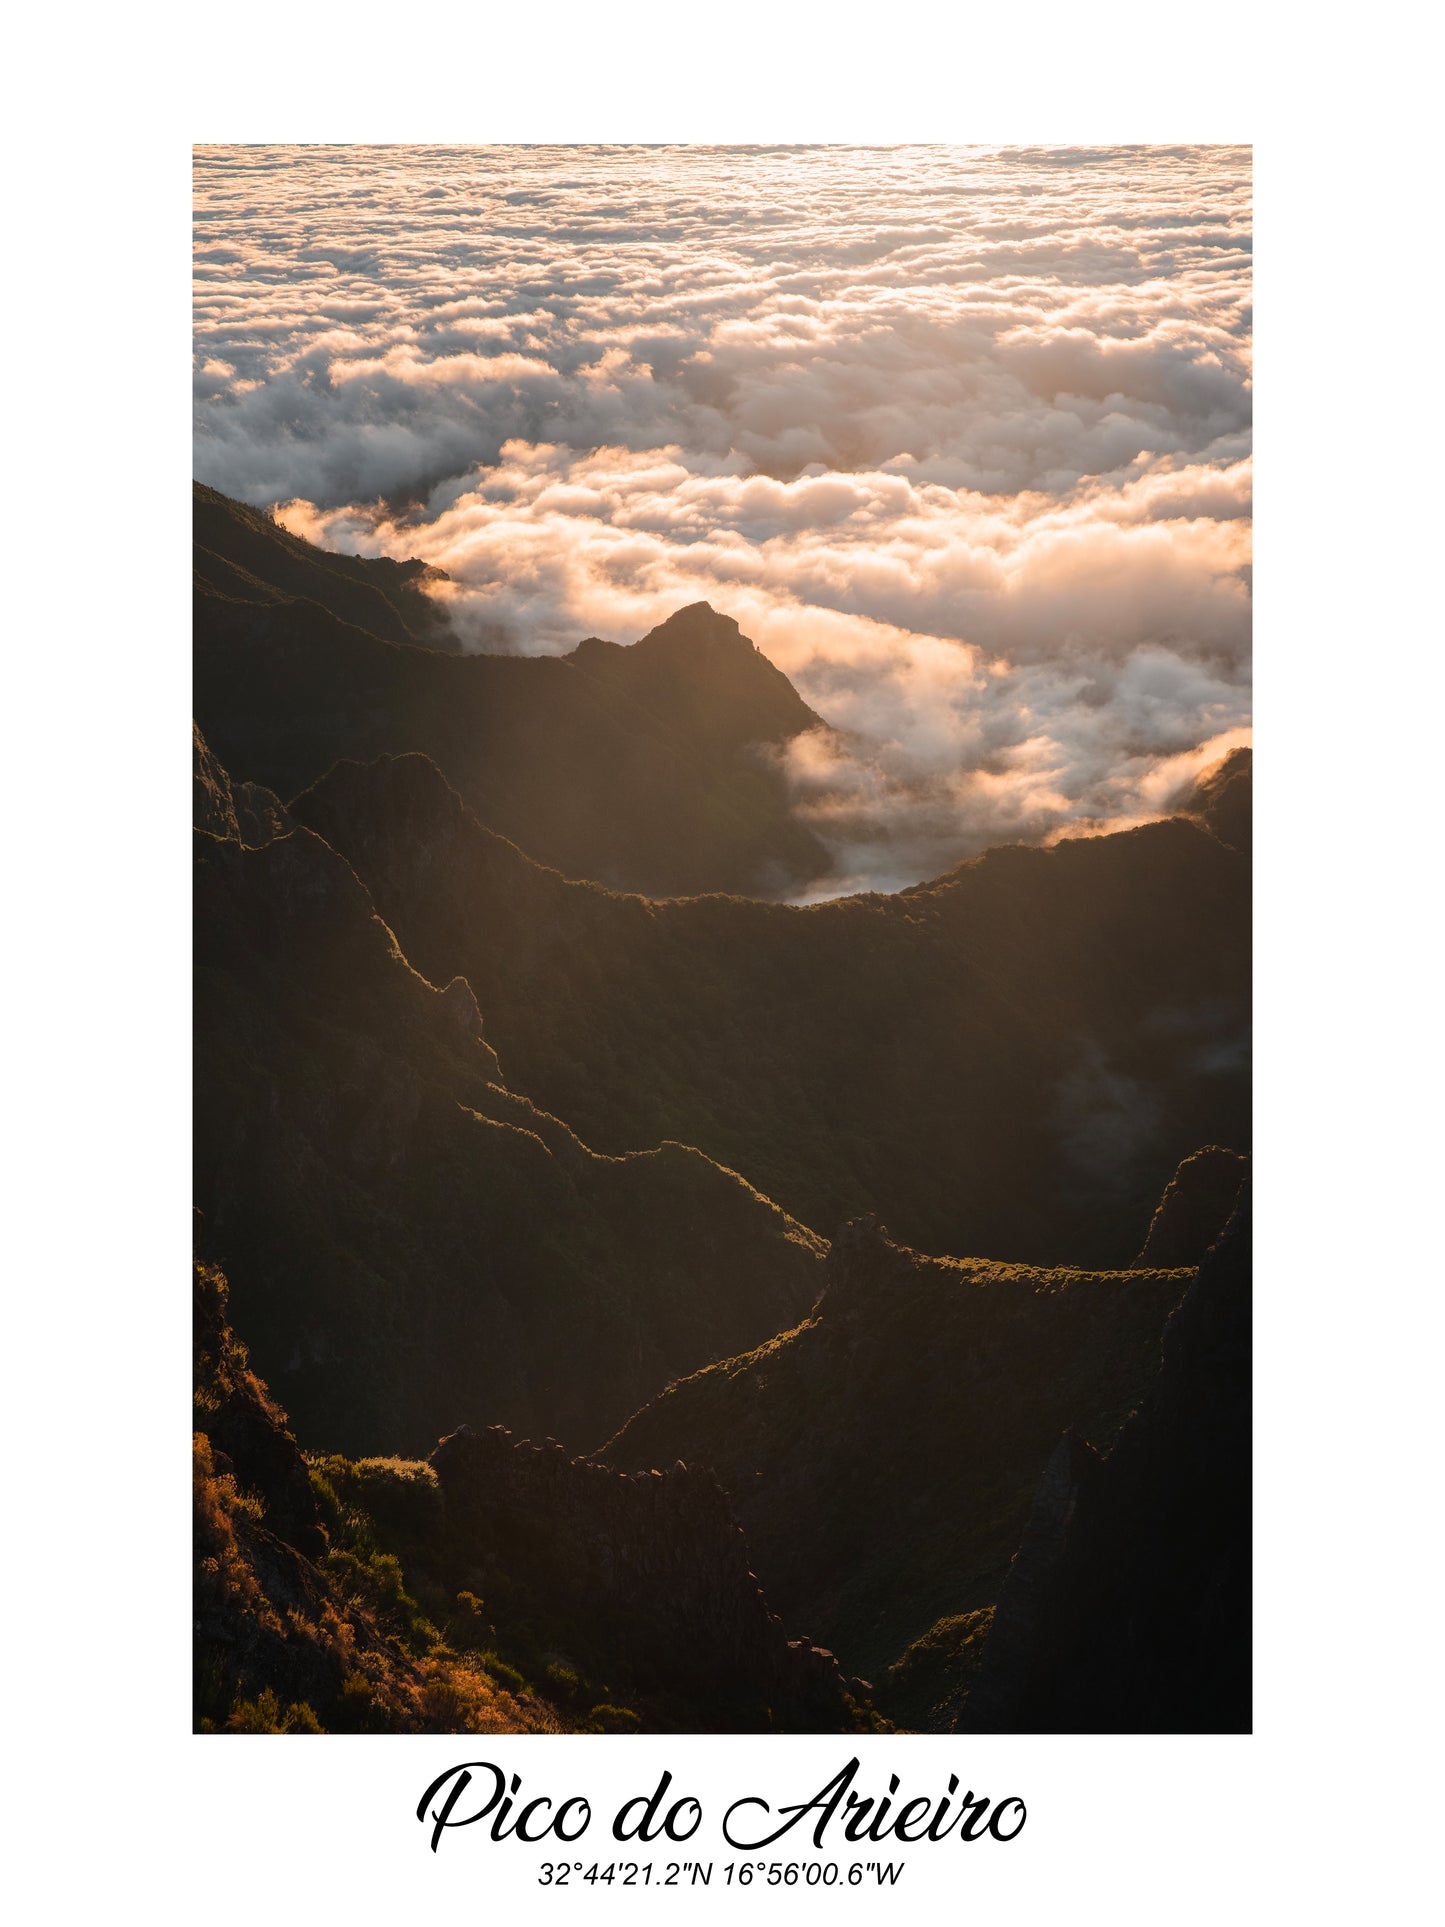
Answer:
(723, 969)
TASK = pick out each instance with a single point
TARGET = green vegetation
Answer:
(306, 1618)
(265, 1714)
(615, 1719)
(926, 1686)
(365, 1596)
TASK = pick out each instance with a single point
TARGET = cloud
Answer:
(960, 437)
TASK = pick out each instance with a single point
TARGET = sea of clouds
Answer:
(960, 437)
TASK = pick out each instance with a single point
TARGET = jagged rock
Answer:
(243, 812)
(656, 1565)
(245, 1425)
(1127, 1608)
(1194, 1209)
(883, 1456)
(1224, 798)
(279, 1643)
(212, 808)
(266, 1618)
(862, 1262)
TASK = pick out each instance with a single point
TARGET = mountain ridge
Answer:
(651, 772)
(974, 1045)
(908, 1418)
(523, 1095)
(1128, 1604)
(410, 1242)
(394, 1595)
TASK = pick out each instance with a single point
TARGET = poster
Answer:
(723, 968)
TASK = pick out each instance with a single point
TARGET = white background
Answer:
(1324, 1813)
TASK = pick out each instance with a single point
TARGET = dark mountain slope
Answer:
(244, 812)
(884, 1455)
(409, 1243)
(497, 1587)
(698, 674)
(1128, 1607)
(1224, 799)
(647, 1577)
(1012, 1059)
(242, 552)
(293, 1632)
(643, 767)
(1195, 1208)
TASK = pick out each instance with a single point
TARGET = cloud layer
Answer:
(960, 437)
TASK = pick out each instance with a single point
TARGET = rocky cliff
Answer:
(1195, 1208)
(1013, 1059)
(652, 1568)
(1127, 1608)
(883, 1455)
(410, 1242)
(284, 1638)
(387, 1595)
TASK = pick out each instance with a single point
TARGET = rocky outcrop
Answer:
(883, 1456)
(1224, 798)
(212, 807)
(242, 812)
(864, 1267)
(1127, 1607)
(284, 1641)
(699, 671)
(267, 1621)
(1194, 1209)
(654, 1566)
(247, 1430)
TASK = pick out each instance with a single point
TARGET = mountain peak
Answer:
(699, 669)
(699, 628)
(698, 625)
(698, 619)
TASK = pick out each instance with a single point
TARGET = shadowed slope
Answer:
(644, 767)
(1195, 1208)
(1011, 1059)
(286, 1639)
(411, 1244)
(883, 1456)
(243, 553)
(651, 1571)
(496, 1587)
(1224, 799)
(1127, 1609)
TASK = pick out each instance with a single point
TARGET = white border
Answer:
(1321, 1814)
